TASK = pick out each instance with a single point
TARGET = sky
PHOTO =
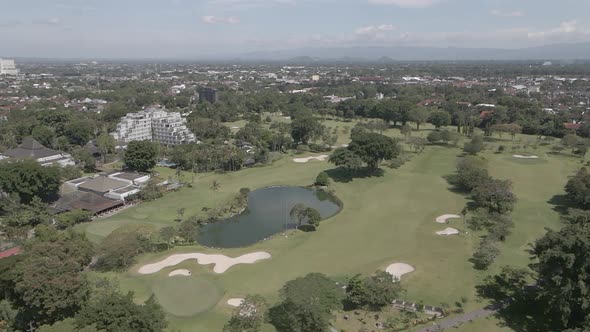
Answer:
(204, 28)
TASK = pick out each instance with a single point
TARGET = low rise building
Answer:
(30, 148)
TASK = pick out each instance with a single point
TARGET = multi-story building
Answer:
(208, 94)
(7, 67)
(154, 124)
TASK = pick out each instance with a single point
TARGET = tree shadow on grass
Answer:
(561, 204)
(343, 176)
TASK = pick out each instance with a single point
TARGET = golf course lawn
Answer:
(385, 220)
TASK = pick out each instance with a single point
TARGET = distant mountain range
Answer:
(574, 51)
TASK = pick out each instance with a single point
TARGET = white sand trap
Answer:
(519, 156)
(321, 157)
(344, 145)
(443, 219)
(235, 302)
(222, 262)
(397, 270)
(448, 231)
(181, 272)
(234, 127)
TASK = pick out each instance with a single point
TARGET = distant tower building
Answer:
(7, 67)
(208, 94)
(315, 78)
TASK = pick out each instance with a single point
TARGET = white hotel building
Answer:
(7, 67)
(154, 124)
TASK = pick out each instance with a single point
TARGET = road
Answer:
(458, 320)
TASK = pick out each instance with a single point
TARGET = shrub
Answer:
(322, 180)
(434, 136)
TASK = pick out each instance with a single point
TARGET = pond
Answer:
(267, 214)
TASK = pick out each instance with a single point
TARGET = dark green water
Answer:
(267, 214)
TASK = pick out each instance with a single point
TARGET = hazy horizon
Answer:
(179, 29)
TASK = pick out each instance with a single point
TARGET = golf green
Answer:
(186, 296)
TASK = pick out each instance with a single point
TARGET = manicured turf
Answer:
(384, 220)
(186, 296)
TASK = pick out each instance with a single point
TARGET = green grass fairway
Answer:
(187, 296)
(385, 220)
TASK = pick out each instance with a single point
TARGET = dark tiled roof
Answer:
(30, 148)
(84, 201)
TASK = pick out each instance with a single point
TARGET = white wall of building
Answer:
(7, 67)
(155, 125)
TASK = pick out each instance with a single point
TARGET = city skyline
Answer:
(183, 28)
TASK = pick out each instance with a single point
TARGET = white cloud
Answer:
(516, 13)
(49, 21)
(567, 29)
(372, 29)
(210, 19)
(406, 3)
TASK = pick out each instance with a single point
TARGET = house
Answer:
(87, 201)
(30, 148)
(109, 187)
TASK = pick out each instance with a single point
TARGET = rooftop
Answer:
(102, 184)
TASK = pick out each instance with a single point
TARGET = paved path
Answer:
(458, 320)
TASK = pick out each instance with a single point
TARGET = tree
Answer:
(570, 141)
(151, 191)
(141, 155)
(474, 146)
(306, 128)
(44, 135)
(578, 188)
(433, 137)
(374, 292)
(495, 195)
(79, 132)
(48, 283)
(406, 131)
(417, 144)
(67, 325)
(322, 180)
(114, 312)
(307, 304)
(345, 158)
(69, 219)
(485, 254)
(439, 119)
(563, 274)
(189, 229)
(85, 158)
(106, 145)
(419, 116)
(373, 148)
(167, 234)
(249, 316)
(28, 179)
(119, 249)
(471, 171)
(449, 136)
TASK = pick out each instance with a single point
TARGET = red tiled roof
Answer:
(485, 114)
(11, 252)
(573, 126)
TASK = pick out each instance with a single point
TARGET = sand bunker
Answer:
(448, 231)
(222, 262)
(525, 157)
(397, 270)
(181, 272)
(443, 219)
(304, 160)
(235, 127)
(235, 302)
